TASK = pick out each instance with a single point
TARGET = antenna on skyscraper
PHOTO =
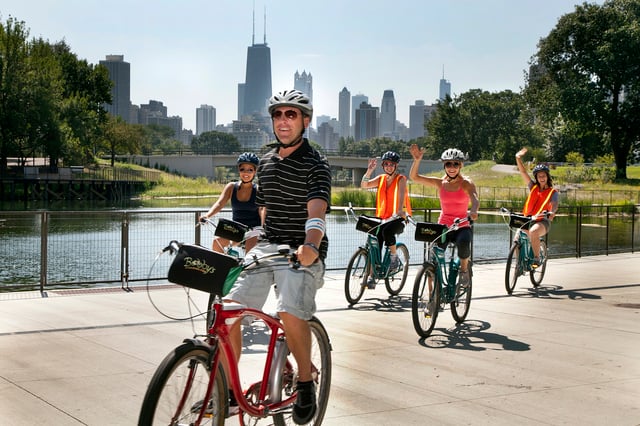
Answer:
(265, 24)
(253, 24)
(443, 71)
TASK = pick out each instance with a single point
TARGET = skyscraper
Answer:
(304, 83)
(257, 84)
(205, 119)
(366, 124)
(388, 114)
(344, 112)
(445, 87)
(416, 120)
(120, 76)
(356, 100)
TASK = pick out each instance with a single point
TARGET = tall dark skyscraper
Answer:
(256, 89)
(120, 76)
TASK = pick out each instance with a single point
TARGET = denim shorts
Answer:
(295, 288)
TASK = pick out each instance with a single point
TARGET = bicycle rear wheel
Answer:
(321, 364)
(176, 392)
(462, 301)
(425, 304)
(537, 274)
(514, 268)
(355, 279)
(395, 282)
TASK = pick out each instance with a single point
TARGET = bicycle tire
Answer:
(355, 278)
(395, 283)
(177, 389)
(321, 360)
(514, 267)
(423, 313)
(462, 301)
(537, 274)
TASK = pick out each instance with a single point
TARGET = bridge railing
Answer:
(73, 249)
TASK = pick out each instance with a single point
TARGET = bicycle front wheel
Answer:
(321, 371)
(395, 282)
(514, 268)
(425, 303)
(176, 392)
(356, 277)
(462, 301)
(537, 274)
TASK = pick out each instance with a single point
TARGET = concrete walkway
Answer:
(568, 353)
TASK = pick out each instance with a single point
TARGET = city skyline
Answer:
(188, 54)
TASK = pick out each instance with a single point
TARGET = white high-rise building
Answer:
(205, 119)
(388, 115)
(304, 83)
(356, 100)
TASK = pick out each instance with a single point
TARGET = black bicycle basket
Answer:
(231, 230)
(200, 268)
(368, 224)
(518, 220)
(428, 232)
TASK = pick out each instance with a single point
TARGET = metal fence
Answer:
(42, 250)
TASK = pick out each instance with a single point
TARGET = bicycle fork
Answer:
(276, 375)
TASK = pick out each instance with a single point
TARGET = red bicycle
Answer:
(190, 387)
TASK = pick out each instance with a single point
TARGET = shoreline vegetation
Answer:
(493, 181)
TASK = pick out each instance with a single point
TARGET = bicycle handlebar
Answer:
(545, 213)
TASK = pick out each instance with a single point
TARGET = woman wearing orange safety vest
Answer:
(542, 197)
(392, 199)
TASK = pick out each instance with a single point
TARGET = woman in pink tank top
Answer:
(455, 191)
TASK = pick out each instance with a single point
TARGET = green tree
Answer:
(215, 143)
(483, 125)
(14, 52)
(587, 71)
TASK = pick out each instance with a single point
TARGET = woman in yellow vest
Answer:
(542, 197)
(392, 199)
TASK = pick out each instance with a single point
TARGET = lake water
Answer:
(97, 247)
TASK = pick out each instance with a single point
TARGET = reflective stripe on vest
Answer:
(381, 199)
(547, 199)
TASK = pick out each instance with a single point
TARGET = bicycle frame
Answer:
(520, 259)
(438, 258)
(227, 316)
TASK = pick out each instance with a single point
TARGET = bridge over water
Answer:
(205, 165)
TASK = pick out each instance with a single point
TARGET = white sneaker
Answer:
(463, 279)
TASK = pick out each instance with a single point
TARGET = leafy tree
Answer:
(483, 125)
(587, 71)
(215, 143)
(13, 88)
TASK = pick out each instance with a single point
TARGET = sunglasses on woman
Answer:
(450, 164)
(290, 114)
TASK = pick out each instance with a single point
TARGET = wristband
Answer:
(315, 223)
(313, 246)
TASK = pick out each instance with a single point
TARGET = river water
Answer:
(85, 247)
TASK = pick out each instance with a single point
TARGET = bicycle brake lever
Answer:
(295, 263)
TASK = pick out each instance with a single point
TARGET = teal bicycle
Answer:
(436, 281)
(520, 259)
(368, 261)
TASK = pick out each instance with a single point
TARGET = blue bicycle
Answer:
(520, 259)
(436, 281)
(368, 261)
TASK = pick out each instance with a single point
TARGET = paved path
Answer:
(568, 353)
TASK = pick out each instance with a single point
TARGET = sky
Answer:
(192, 52)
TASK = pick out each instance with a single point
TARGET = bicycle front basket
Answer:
(518, 220)
(429, 232)
(230, 230)
(200, 268)
(368, 224)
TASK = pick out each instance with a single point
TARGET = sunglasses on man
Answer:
(290, 114)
